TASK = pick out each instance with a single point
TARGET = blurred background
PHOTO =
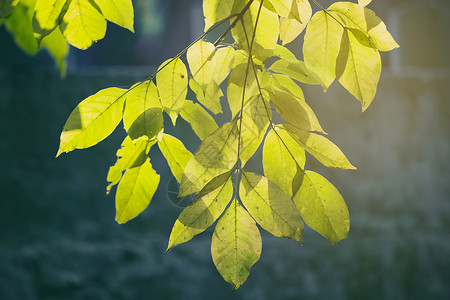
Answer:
(58, 237)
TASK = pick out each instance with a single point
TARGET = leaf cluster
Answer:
(341, 42)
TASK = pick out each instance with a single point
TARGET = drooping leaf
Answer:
(256, 116)
(216, 10)
(321, 46)
(119, 12)
(143, 112)
(202, 62)
(47, 16)
(224, 62)
(269, 79)
(241, 84)
(283, 7)
(82, 24)
(266, 35)
(270, 206)
(176, 154)
(320, 147)
(131, 154)
(293, 110)
(291, 26)
(236, 244)
(283, 160)
(364, 19)
(200, 120)
(358, 67)
(284, 53)
(296, 70)
(135, 191)
(172, 83)
(6, 7)
(322, 207)
(56, 45)
(203, 211)
(93, 120)
(216, 155)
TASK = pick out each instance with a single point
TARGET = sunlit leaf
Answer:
(93, 120)
(296, 70)
(216, 155)
(200, 120)
(119, 12)
(236, 244)
(47, 15)
(284, 53)
(364, 2)
(176, 154)
(362, 18)
(216, 10)
(322, 207)
(131, 154)
(19, 25)
(294, 110)
(270, 206)
(202, 62)
(224, 62)
(56, 45)
(291, 26)
(283, 159)
(358, 67)
(203, 211)
(6, 7)
(135, 191)
(321, 46)
(172, 82)
(208, 95)
(236, 89)
(269, 79)
(82, 24)
(320, 147)
(143, 112)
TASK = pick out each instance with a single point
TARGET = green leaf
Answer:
(321, 46)
(224, 62)
(269, 79)
(93, 120)
(236, 89)
(200, 120)
(216, 155)
(266, 35)
(6, 7)
(82, 24)
(135, 191)
(283, 7)
(176, 154)
(291, 26)
(216, 10)
(131, 154)
(202, 62)
(19, 25)
(322, 207)
(143, 112)
(283, 160)
(293, 110)
(364, 2)
(203, 211)
(236, 244)
(361, 18)
(56, 45)
(47, 16)
(321, 148)
(270, 206)
(119, 12)
(256, 116)
(284, 53)
(296, 70)
(209, 97)
(358, 67)
(172, 82)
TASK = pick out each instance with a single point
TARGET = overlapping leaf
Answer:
(200, 120)
(296, 70)
(6, 7)
(216, 10)
(241, 84)
(291, 26)
(119, 12)
(176, 154)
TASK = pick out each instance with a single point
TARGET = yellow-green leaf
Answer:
(119, 12)
(362, 18)
(291, 26)
(209, 95)
(203, 211)
(283, 160)
(172, 82)
(200, 120)
(296, 70)
(131, 154)
(266, 35)
(224, 62)
(293, 110)
(236, 89)
(93, 120)
(358, 66)
(47, 16)
(269, 79)
(202, 62)
(236, 244)
(56, 45)
(216, 155)
(321, 46)
(6, 7)
(216, 10)
(320, 147)
(143, 112)
(364, 2)
(18, 24)
(322, 207)
(284, 53)
(135, 191)
(82, 24)
(270, 206)
(176, 154)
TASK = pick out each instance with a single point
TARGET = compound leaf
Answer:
(93, 120)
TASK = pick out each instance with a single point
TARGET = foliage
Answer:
(341, 42)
